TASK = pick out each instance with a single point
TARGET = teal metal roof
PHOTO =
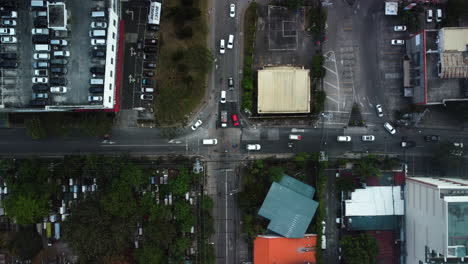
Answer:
(458, 226)
(290, 212)
(367, 223)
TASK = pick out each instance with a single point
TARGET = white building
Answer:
(436, 220)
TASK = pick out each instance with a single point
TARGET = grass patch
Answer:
(249, 41)
(187, 61)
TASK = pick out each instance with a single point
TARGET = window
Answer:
(109, 99)
(112, 47)
(112, 60)
(110, 73)
(113, 35)
(114, 22)
(110, 86)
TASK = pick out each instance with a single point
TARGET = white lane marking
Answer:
(329, 84)
(333, 100)
(330, 70)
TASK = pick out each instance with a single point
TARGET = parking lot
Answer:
(55, 51)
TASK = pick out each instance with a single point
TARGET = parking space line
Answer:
(329, 84)
(333, 100)
(328, 69)
(340, 112)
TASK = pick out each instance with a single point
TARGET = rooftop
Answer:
(283, 90)
(290, 208)
(381, 222)
(454, 39)
(375, 200)
(57, 16)
(280, 250)
(457, 219)
(391, 8)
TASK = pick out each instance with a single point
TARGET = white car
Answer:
(58, 89)
(8, 40)
(98, 24)
(7, 31)
(40, 80)
(379, 110)
(222, 47)
(197, 125)
(399, 28)
(9, 22)
(343, 138)
(458, 144)
(295, 137)
(368, 138)
(389, 128)
(230, 44)
(60, 42)
(41, 56)
(397, 42)
(98, 42)
(253, 147)
(41, 72)
(62, 53)
(40, 31)
(232, 10)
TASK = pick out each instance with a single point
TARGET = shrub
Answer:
(178, 55)
(185, 33)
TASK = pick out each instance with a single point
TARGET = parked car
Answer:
(59, 61)
(99, 53)
(151, 41)
(41, 56)
(147, 89)
(40, 39)
(41, 64)
(98, 24)
(389, 128)
(40, 88)
(58, 89)
(96, 89)
(222, 46)
(8, 40)
(98, 42)
(429, 15)
(95, 98)
(7, 31)
(149, 57)
(368, 138)
(40, 31)
(9, 22)
(457, 149)
(40, 96)
(146, 81)
(41, 72)
(379, 110)
(8, 14)
(37, 103)
(40, 22)
(397, 42)
(8, 56)
(8, 64)
(149, 65)
(253, 147)
(59, 42)
(433, 138)
(152, 27)
(235, 120)
(58, 70)
(97, 70)
(58, 81)
(39, 80)
(146, 97)
(150, 49)
(196, 125)
(61, 53)
(148, 73)
(399, 28)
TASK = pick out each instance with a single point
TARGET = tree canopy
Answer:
(361, 249)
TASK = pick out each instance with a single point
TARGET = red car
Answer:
(235, 120)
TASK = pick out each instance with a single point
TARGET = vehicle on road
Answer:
(253, 147)
(432, 138)
(397, 42)
(457, 149)
(235, 120)
(407, 143)
(232, 10)
(389, 128)
(230, 43)
(231, 83)
(222, 47)
(368, 138)
(146, 97)
(379, 110)
(438, 15)
(197, 125)
(295, 137)
(399, 28)
(224, 118)
(429, 15)
(223, 97)
(343, 138)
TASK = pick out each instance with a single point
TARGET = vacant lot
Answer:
(184, 61)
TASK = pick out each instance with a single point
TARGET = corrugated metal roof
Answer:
(373, 201)
(280, 250)
(289, 211)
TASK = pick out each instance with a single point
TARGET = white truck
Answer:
(223, 118)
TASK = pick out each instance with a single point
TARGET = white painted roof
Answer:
(374, 201)
(391, 8)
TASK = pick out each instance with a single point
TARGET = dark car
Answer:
(97, 70)
(149, 65)
(40, 22)
(58, 81)
(151, 41)
(152, 27)
(149, 57)
(40, 39)
(139, 45)
(96, 89)
(150, 49)
(40, 88)
(37, 103)
(231, 83)
(98, 53)
(147, 81)
(148, 73)
(59, 61)
(432, 138)
(8, 64)
(58, 70)
(8, 56)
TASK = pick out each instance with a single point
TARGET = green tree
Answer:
(367, 167)
(317, 19)
(207, 204)
(162, 237)
(185, 33)
(361, 249)
(294, 4)
(275, 172)
(302, 159)
(317, 66)
(199, 58)
(26, 208)
(149, 254)
(26, 242)
(345, 184)
(181, 184)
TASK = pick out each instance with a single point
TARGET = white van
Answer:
(96, 81)
(98, 14)
(38, 3)
(230, 41)
(147, 90)
(98, 42)
(439, 15)
(213, 141)
(42, 47)
(429, 16)
(97, 33)
(343, 138)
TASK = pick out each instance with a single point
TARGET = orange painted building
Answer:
(281, 250)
